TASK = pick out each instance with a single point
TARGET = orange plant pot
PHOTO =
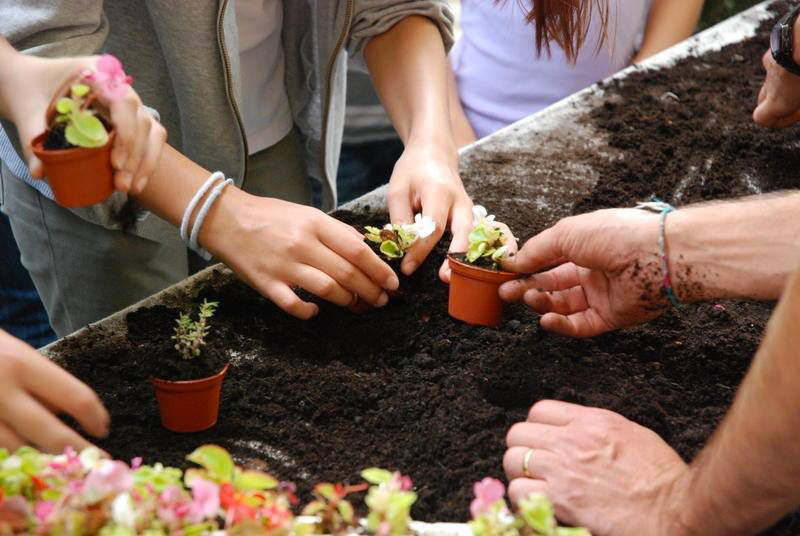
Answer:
(79, 177)
(189, 406)
(474, 296)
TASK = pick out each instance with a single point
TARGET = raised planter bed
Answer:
(407, 387)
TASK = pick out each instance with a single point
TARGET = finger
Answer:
(788, 121)
(522, 488)
(436, 206)
(155, 146)
(398, 200)
(62, 391)
(586, 323)
(763, 116)
(540, 251)
(563, 302)
(360, 261)
(124, 116)
(460, 227)
(9, 439)
(530, 434)
(137, 146)
(554, 412)
(348, 279)
(33, 422)
(762, 94)
(284, 297)
(540, 463)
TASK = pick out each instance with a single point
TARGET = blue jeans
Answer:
(21, 310)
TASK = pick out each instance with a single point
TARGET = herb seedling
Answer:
(190, 334)
(396, 240)
(389, 500)
(488, 239)
(82, 127)
(335, 513)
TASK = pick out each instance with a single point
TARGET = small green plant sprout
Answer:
(190, 334)
(535, 516)
(334, 512)
(389, 500)
(488, 239)
(82, 127)
(395, 240)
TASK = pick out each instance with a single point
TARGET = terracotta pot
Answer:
(79, 177)
(189, 406)
(474, 296)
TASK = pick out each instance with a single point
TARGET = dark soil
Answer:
(56, 139)
(407, 387)
(482, 262)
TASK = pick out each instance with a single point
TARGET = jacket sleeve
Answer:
(374, 17)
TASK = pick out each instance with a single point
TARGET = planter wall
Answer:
(524, 155)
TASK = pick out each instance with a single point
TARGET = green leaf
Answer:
(313, 508)
(569, 531)
(215, 460)
(327, 490)
(391, 249)
(499, 253)
(80, 90)
(476, 251)
(90, 126)
(537, 513)
(65, 105)
(346, 511)
(374, 475)
(254, 481)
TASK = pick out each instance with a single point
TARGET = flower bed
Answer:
(407, 387)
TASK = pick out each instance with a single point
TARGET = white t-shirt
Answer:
(265, 106)
(501, 80)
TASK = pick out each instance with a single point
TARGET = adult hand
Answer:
(603, 272)
(275, 246)
(31, 388)
(140, 138)
(425, 179)
(779, 98)
(600, 470)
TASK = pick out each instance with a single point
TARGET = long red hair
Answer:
(565, 22)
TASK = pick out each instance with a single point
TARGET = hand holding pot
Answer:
(31, 388)
(779, 98)
(602, 273)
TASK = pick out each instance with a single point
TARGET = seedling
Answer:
(488, 238)
(190, 334)
(82, 127)
(389, 500)
(395, 240)
(334, 512)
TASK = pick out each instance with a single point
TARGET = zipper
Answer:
(228, 76)
(329, 76)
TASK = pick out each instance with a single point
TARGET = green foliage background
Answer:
(717, 10)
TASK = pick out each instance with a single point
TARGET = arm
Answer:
(409, 70)
(669, 22)
(459, 124)
(779, 98)
(608, 274)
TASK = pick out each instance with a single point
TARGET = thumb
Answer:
(541, 251)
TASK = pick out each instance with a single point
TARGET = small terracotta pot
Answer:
(189, 406)
(79, 177)
(474, 296)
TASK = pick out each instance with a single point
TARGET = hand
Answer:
(779, 98)
(600, 470)
(604, 273)
(275, 246)
(140, 138)
(426, 179)
(31, 388)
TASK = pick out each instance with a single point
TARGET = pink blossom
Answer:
(205, 502)
(275, 517)
(487, 492)
(109, 477)
(173, 505)
(110, 77)
(43, 510)
(400, 482)
(136, 462)
(384, 529)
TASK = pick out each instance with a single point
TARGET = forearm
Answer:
(10, 67)
(463, 134)
(408, 66)
(739, 249)
(746, 478)
(669, 22)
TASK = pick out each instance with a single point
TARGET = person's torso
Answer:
(501, 79)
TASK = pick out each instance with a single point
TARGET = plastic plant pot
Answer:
(189, 406)
(79, 177)
(474, 297)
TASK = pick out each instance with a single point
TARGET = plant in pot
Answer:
(392, 241)
(188, 387)
(75, 150)
(476, 275)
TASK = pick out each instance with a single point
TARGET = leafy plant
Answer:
(82, 127)
(396, 240)
(487, 240)
(190, 334)
(389, 500)
(535, 516)
(335, 514)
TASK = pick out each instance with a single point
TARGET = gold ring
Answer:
(526, 460)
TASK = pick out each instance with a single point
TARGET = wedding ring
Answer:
(526, 460)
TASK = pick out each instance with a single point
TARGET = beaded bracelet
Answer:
(190, 236)
(663, 252)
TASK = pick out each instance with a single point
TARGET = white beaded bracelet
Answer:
(187, 214)
(191, 236)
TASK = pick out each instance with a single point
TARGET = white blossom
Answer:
(123, 512)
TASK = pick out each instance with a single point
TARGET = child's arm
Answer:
(669, 22)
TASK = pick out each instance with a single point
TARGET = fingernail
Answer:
(125, 178)
(392, 283)
(409, 268)
(383, 299)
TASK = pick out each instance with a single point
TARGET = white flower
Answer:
(425, 225)
(123, 511)
(478, 213)
(90, 458)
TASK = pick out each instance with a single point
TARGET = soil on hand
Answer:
(407, 387)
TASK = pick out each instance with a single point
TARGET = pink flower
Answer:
(109, 477)
(136, 462)
(400, 482)
(205, 502)
(43, 510)
(384, 529)
(110, 77)
(173, 505)
(487, 492)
